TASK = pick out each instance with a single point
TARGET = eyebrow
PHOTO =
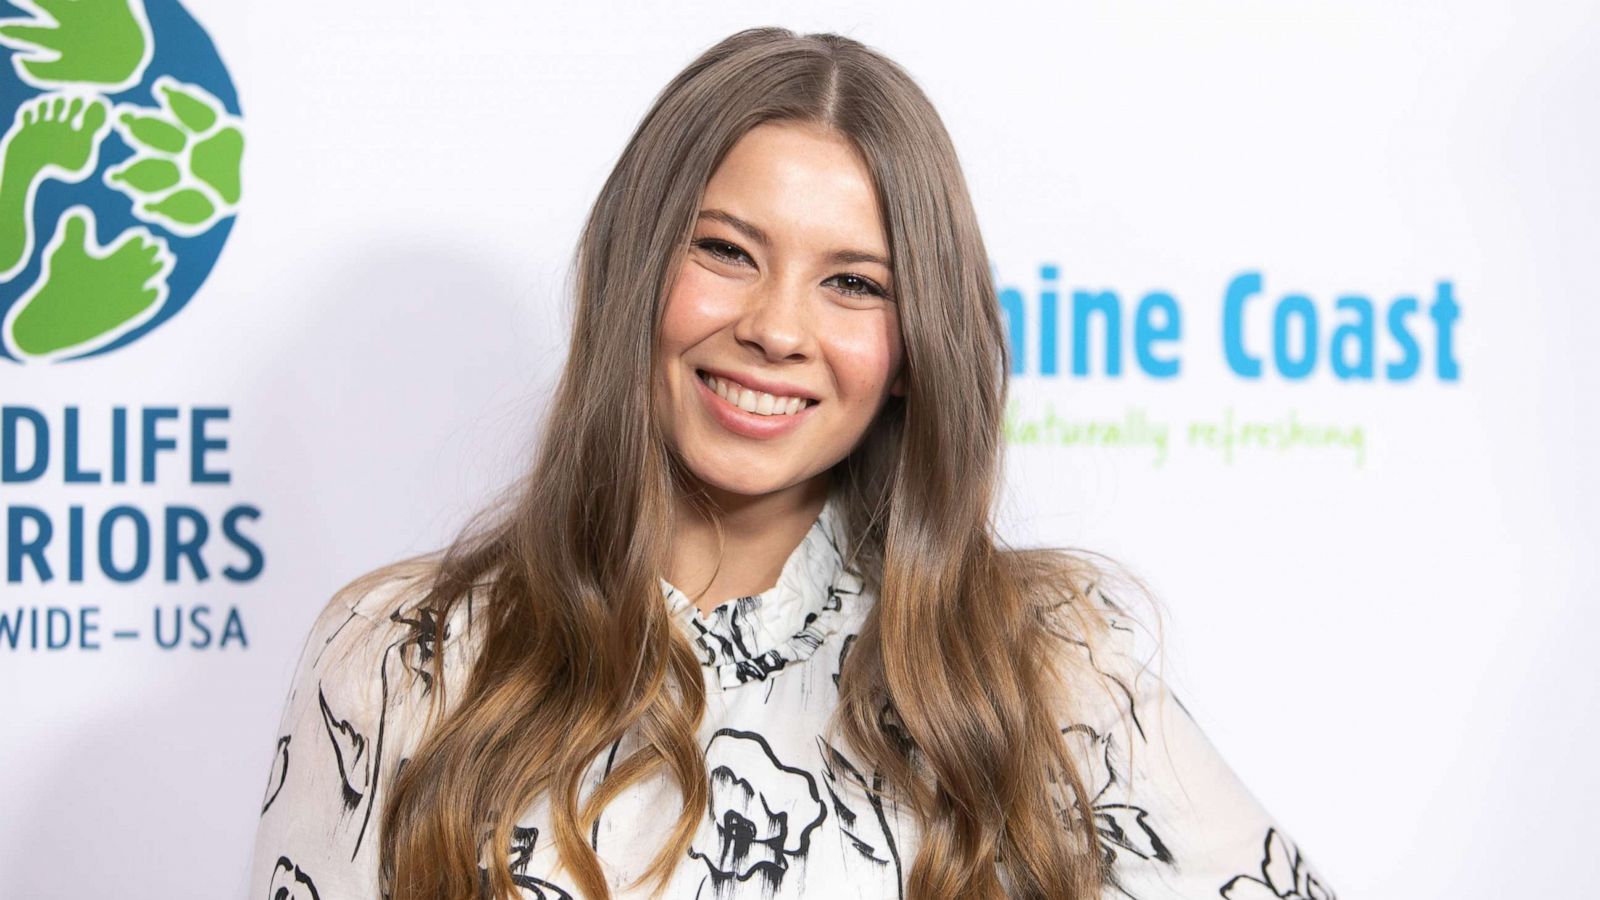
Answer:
(755, 233)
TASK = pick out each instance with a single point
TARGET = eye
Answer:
(863, 287)
(721, 249)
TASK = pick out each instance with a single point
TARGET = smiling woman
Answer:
(762, 319)
(746, 628)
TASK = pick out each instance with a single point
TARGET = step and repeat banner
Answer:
(1300, 303)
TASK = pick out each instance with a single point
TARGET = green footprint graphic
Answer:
(52, 136)
(103, 43)
(86, 293)
(184, 175)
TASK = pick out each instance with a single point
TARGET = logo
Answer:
(1059, 335)
(119, 171)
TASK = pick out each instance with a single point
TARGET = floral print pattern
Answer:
(1121, 826)
(289, 883)
(762, 812)
(1285, 875)
(791, 812)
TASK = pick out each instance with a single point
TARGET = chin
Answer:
(747, 487)
(745, 475)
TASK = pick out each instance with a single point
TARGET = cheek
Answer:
(699, 305)
(864, 350)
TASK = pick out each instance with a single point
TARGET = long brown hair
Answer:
(577, 642)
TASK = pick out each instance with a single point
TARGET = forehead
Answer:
(800, 182)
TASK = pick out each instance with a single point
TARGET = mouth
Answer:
(756, 403)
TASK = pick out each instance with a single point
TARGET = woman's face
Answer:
(784, 299)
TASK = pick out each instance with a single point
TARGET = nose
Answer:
(775, 320)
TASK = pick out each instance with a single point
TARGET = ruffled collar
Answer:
(751, 638)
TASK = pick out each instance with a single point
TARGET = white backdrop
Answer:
(1390, 637)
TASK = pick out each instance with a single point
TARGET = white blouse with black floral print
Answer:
(790, 815)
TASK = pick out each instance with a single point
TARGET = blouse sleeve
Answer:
(1174, 820)
(345, 729)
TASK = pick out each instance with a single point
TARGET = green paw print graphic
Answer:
(52, 136)
(104, 45)
(184, 175)
(88, 295)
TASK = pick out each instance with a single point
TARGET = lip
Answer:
(747, 424)
(775, 388)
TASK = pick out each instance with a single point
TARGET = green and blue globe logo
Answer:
(119, 171)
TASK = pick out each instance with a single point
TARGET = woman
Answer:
(745, 629)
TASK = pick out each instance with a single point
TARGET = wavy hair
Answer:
(568, 559)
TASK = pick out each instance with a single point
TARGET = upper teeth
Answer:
(758, 402)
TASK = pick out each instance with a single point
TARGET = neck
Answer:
(758, 535)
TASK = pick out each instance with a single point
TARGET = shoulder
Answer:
(373, 643)
(1103, 654)
(357, 707)
(360, 616)
(1174, 818)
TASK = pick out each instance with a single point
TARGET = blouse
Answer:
(790, 814)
